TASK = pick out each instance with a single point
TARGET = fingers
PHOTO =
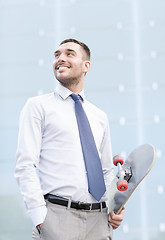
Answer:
(116, 219)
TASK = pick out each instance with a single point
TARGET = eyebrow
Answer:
(66, 50)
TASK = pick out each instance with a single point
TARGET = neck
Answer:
(75, 88)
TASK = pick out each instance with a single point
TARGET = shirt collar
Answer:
(65, 92)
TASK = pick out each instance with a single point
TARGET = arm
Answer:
(27, 160)
(106, 155)
(108, 169)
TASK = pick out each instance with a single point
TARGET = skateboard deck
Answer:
(135, 168)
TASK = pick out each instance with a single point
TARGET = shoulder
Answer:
(36, 105)
(95, 110)
(40, 99)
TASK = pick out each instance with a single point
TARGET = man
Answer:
(57, 195)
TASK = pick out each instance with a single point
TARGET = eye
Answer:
(70, 54)
(56, 55)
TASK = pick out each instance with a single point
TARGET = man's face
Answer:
(70, 64)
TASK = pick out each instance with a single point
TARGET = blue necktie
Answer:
(96, 184)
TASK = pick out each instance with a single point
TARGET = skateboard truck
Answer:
(124, 176)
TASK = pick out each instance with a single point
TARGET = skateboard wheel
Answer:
(118, 159)
(122, 185)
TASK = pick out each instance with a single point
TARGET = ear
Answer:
(86, 67)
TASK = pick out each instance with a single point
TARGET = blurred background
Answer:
(127, 80)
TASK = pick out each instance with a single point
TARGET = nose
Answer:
(60, 59)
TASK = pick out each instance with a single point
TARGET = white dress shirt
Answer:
(49, 157)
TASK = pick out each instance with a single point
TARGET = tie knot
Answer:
(75, 97)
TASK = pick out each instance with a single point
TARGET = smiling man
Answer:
(59, 195)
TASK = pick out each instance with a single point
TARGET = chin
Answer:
(68, 81)
(64, 82)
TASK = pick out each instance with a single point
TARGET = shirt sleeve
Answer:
(106, 156)
(27, 159)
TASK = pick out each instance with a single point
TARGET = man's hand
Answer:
(116, 219)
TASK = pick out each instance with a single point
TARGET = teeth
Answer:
(61, 67)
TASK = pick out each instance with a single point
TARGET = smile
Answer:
(62, 66)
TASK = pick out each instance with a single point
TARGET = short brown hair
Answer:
(83, 45)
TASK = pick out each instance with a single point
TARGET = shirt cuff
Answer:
(38, 215)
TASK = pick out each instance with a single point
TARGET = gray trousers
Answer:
(63, 223)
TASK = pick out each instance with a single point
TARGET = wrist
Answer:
(39, 228)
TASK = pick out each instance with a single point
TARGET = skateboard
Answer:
(130, 173)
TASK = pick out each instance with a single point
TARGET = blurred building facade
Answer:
(126, 80)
